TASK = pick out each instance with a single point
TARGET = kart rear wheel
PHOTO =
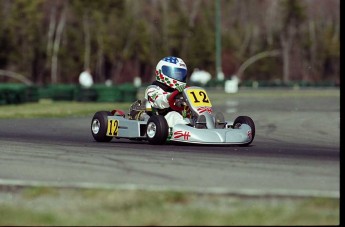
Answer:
(245, 120)
(99, 126)
(157, 130)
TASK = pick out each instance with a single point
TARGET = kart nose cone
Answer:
(183, 133)
(238, 136)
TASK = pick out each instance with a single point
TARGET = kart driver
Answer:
(171, 74)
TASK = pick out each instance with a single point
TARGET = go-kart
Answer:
(144, 123)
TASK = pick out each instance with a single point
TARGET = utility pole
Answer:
(219, 71)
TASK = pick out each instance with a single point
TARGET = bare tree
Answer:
(256, 57)
(87, 41)
(56, 46)
(51, 31)
(292, 18)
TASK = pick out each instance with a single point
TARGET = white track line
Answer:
(212, 190)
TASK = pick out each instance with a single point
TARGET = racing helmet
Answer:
(171, 71)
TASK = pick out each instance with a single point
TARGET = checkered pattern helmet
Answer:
(171, 71)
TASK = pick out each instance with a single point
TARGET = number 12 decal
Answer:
(202, 94)
(199, 97)
(113, 128)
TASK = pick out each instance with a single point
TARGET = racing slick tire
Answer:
(157, 130)
(99, 126)
(245, 120)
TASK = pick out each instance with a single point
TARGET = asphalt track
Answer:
(296, 152)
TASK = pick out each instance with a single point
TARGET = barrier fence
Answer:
(21, 93)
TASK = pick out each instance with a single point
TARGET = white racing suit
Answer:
(157, 98)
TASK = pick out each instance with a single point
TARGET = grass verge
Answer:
(72, 206)
(49, 108)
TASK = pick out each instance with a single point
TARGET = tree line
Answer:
(52, 41)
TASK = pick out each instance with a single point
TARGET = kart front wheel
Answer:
(245, 120)
(99, 126)
(157, 129)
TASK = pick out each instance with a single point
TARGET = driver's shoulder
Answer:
(152, 88)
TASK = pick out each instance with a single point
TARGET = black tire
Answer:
(99, 125)
(157, 130)
(245, 120)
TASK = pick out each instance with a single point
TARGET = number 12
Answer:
(203, 96)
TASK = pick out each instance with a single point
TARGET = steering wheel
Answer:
(172, 103)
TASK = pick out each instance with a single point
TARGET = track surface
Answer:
(295, 152)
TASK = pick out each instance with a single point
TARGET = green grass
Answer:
(48, 108)
(56, 206)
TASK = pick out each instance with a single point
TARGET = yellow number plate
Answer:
(113, 128)
(198, 97)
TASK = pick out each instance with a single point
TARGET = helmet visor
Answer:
(179, 74)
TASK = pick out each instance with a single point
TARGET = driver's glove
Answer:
(184, 113)
(180, 88)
